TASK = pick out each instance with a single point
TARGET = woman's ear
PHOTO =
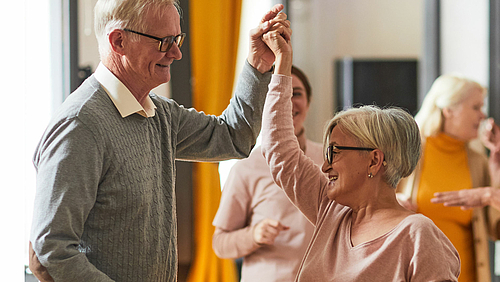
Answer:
(447, 113)
(116, 40)
(377, 161)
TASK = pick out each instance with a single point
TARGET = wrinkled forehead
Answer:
(163, 18)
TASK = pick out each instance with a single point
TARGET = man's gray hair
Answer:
(120, 14)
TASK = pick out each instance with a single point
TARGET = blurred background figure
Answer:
(449, 122)
(255, 219)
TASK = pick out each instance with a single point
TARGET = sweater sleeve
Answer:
(234, 244)
(233, 236)
(68, 163)
(230, 135)
(295, 173)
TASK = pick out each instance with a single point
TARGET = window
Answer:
(251, 14)
(27, 103)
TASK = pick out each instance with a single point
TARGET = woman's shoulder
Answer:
(418, 221)
(420, 227)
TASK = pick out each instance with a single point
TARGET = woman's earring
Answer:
(370, 175)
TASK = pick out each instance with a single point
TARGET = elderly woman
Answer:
(449, 120)
(361, 232)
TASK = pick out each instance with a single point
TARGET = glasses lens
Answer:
(329, 154)
(179, 39)
(168, 41)
(166, 44)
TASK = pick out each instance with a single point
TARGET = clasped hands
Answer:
(270, 42)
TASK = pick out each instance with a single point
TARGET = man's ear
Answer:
(116, 40)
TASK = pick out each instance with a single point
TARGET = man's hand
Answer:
(266, 231)
(260, 55)
(37, 268)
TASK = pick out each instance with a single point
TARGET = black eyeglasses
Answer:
(332, 151)
(165, 42)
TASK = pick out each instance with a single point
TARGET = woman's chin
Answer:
(331, 193)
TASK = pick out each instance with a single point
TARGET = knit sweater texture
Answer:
(105, 203)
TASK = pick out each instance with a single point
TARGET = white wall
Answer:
(324, 30)
(465, 38)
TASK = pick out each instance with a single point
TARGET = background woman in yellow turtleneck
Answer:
(449, 119)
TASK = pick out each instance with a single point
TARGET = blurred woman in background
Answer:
(449, 120)
(255, 219)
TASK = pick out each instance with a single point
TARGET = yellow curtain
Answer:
(214, 36)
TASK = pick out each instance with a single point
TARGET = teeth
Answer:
(333, 178)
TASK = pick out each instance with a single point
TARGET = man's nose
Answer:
(174, 52)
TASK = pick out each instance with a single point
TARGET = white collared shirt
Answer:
(122, 98)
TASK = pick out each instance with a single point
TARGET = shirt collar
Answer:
(122, 98)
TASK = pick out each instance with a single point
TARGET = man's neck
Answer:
(117, 69)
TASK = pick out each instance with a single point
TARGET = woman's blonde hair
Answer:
(120, 14)
(391, 130)
(446, 91)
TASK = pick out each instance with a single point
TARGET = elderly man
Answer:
(105, 202)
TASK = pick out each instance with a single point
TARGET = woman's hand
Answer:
(490, 136)
(466, 198)
(266, 231)
(278, 40)
(260, 55)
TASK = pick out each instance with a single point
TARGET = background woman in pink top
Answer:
(255, 219)
(361, 232)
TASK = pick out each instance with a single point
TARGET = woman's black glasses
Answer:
(332, 151)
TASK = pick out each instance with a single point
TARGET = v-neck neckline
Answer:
(347, 234)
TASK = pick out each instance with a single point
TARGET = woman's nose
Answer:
(325, 167)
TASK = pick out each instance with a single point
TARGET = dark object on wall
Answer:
(494, 87)
(84, 73)
(182, 94)
(374, 81)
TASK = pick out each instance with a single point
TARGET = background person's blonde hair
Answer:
(120, 14)
(447, 91)
(391, 130)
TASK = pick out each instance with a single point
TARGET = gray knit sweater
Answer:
(105, 200)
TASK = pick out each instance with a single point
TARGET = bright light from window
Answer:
(38, 93)
(251, 14)
(26, 100)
